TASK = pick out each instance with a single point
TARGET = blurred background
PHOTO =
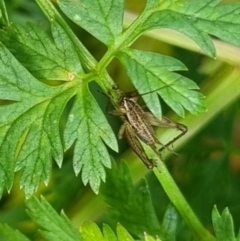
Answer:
(207, 169)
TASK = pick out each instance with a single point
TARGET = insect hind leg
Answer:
(179, 127)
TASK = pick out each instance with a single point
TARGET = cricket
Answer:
(132, 138)
(139, 124)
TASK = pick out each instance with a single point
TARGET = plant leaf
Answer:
(150, 71)
(130, 206)
(70, 60)
(122, 234)
(198, 20)
(108, 234)
(87, 127)
(9, 234)
(101, 18)
(169, 224)
(29, 121)
(38, 53)
(148, 237)
(223, 225)
(91, 232)
(151, 4)
(54, 226)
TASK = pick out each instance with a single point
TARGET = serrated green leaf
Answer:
(147, 237)
(70, 59)
(198, 20)
(88, 128)
(37, 128)
(150, 71)
(179, 22)
(29, 126)
(91, 232)
(54, 226)
(38, 53)
(108, 234)
(41, 143)
(9, 234)
(130, 206)
(169, 224)
(101, 18)
(223, 225)
(123, 234)
(221, 21)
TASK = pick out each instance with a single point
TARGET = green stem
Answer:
(52, 14)
(128, 37)
(181, 204)
(4, 13)
(87, 60)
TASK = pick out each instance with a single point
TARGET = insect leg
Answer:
(166, 123)
(115, 112)
(137, 147)
(122, 130)
(179, 127)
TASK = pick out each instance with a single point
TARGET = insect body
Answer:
(139, 124)
(138, 121)
(135, 144)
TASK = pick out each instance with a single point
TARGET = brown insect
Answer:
(139, 124)
(135, 144)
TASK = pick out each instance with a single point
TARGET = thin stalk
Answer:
(4, 13)
(130, 34)
(181, 204)
(87, 60)
(53, 15)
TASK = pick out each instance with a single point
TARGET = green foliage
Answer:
(49, 60)
(54, 227)
(169, 224)
(91, 232)
(123, 198)
(44, 85)
(103, 19)
(30, 117)
(156, 70)
(44, 58)
(86, 125)
(39, 108)
(223, 225)
(9, 234)
(197, 20)
(58, 227)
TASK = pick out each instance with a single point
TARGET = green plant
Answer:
(40, 75)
